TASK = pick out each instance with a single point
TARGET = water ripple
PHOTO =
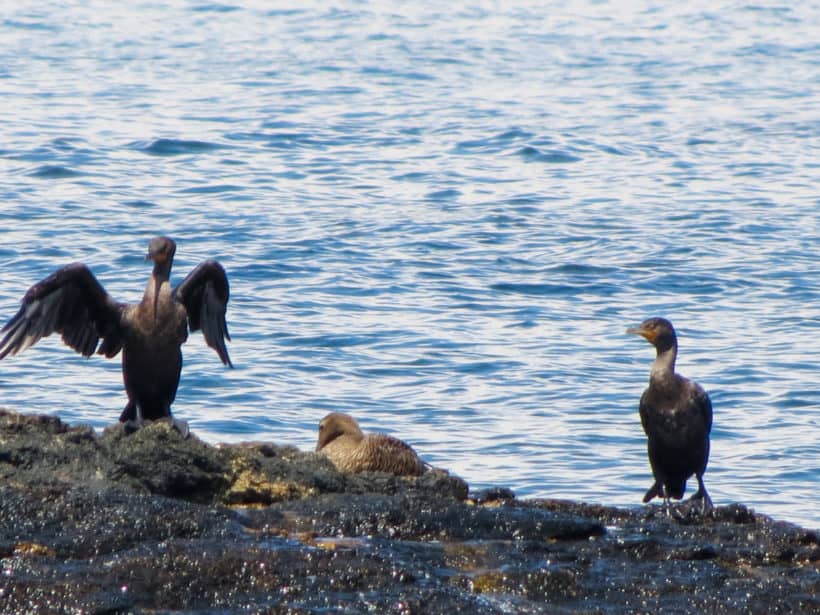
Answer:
(175, 147)
(51, 171)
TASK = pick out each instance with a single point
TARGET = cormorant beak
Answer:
(646, 333)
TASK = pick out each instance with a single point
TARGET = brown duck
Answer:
(351, 451)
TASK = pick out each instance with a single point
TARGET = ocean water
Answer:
(440, 219)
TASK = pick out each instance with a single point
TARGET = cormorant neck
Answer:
(664, 364)
(162, 271)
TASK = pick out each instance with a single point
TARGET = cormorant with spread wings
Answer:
(150, 333)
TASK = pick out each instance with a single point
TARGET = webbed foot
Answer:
(181, 427)
(702, 495)
(133, 425)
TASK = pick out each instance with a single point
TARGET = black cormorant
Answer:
(73, 303)
(676, 414)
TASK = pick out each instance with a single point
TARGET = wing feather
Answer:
(204, 293)
(704, 406)
(71, 302)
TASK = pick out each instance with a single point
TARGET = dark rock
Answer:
(153, 522)
(493, 494)
(413, 517)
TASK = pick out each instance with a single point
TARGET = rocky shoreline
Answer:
(151, 522)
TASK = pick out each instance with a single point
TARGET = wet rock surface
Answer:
(151, 522)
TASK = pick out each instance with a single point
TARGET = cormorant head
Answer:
(334, 425)
(658, 331)
(161, 251)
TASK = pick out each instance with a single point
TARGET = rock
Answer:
(153, 522)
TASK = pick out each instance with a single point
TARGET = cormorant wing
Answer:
(645, 411)
(701, 402)
(204, 293)
(73, 303)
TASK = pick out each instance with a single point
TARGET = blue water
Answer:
(441, 220)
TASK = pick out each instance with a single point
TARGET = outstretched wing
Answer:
(73, 303)
(204, 293)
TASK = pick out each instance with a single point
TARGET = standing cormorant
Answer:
(73, 303)
(676, 414)
(342, 441)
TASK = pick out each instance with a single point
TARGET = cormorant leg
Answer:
(673, 511)
(701, 494)
(132, 425)
(667, 505)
